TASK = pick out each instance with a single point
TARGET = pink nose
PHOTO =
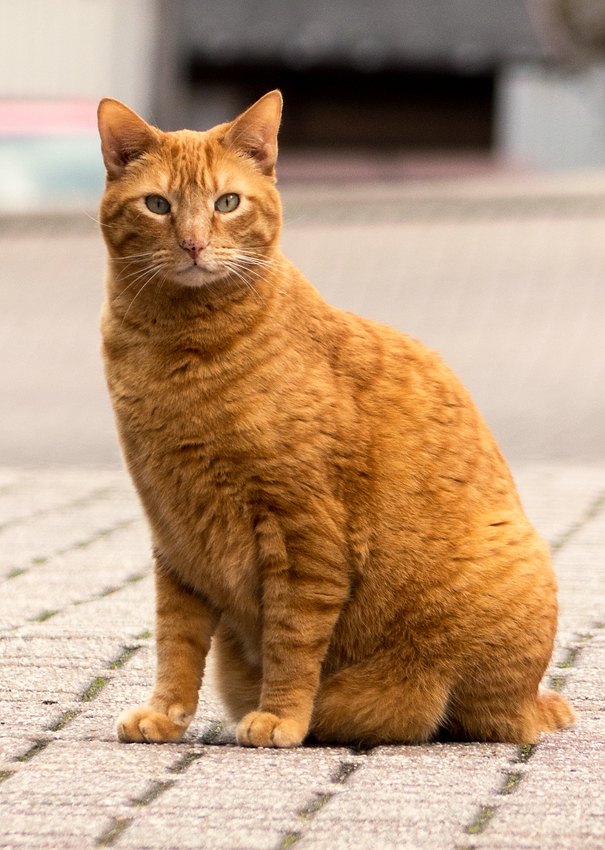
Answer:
(194, 247)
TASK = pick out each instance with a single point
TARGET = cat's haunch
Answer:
(327, 507)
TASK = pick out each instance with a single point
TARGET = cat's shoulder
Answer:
(357, 345)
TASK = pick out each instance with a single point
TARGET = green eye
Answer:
(227, 203)
(157, 204)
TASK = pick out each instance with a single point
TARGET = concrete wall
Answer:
(552, 117)
(78, 48)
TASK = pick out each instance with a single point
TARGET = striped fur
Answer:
(327, 507)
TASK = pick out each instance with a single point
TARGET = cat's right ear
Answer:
(124, 136)
(254, 133)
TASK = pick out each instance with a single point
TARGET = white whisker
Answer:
(131, 256)
(139, 274)
(238, 271)
(147, 282)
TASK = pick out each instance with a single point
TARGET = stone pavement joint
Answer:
(43, 616)
(592, 512)
(111, 835)
(65, 718)
(484, 815)
(513, 778)
(34, 750)
(124, 656)
(319, 800)
(93, 689)
(289, 841)
(96, 495)
(65, 782)
(180, 766)
(153, 792)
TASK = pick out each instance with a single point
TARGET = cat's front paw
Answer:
(144, 725)
(262, 729)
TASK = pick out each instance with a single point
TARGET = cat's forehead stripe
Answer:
(191, 156)
(164, 182)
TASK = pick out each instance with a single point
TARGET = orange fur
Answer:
(325, 502)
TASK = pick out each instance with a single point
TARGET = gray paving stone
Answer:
(101, 782)
(555, 495)
(33, 651)
(128, 612)
(83, 784)
(76, 576)
(409, 797)
(23, 544)
(238, 798)
(560, 803)
(28, 492)
(580, 568)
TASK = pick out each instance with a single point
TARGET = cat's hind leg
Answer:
(238, 681)
(374, 702)
(497, 713)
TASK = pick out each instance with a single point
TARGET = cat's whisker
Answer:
(245, 263)
(137, 274)
(251, 261)
(108, 226)
(124, 274)
(287, 222)
(154, 267)
(239, 273)
(253, 255)
(147, 282)
(92, 218)
(132, 256)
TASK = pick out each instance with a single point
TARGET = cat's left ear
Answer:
(124, 136)
(254, 133)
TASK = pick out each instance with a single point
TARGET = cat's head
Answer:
(186, 207)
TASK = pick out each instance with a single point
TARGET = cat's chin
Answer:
(196, 277)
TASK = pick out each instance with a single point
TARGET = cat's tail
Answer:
(554, 712)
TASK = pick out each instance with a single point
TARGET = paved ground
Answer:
(507, 280)
(76, 645)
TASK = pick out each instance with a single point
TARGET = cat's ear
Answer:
(124, 136)
(254, 133)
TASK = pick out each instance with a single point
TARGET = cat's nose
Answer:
(194, 247)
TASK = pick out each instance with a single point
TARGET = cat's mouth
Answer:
(198, 274)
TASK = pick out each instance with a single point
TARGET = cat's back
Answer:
(409, 398)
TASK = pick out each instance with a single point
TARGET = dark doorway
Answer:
(339, 107)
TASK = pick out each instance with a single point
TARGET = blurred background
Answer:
(387, 88)
(442, 166)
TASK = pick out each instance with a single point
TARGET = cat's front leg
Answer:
(304, 589)
(184, 627)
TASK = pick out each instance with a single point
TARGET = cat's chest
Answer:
(195, 445)
(186, 404)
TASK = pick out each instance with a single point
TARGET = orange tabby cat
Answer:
(326, 504)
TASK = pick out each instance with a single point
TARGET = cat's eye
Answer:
(157, 204)
(227, 203)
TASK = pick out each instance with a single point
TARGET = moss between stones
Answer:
(93, 689)
(111, 835)
(123, 657)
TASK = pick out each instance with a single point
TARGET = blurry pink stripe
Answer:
(47, 117)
